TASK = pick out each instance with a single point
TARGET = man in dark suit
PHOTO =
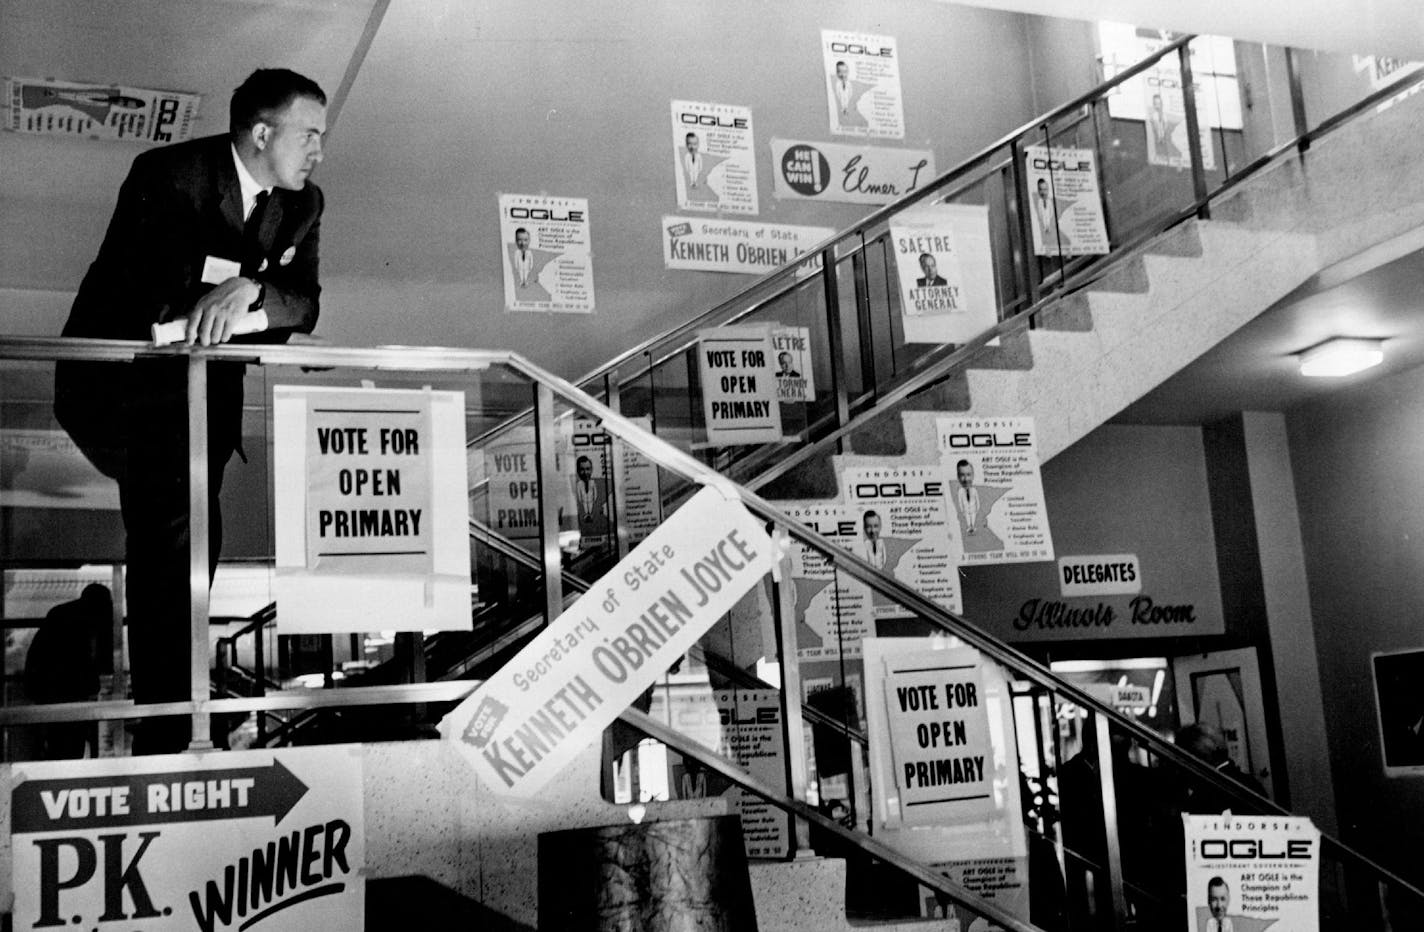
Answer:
(205, 232)
(931, 278)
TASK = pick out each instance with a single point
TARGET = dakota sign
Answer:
(555, 698)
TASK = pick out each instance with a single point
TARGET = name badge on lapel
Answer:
(216, 271)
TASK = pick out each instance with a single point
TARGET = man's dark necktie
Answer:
(252, 229)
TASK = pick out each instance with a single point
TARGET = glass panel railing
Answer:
(1039, 800)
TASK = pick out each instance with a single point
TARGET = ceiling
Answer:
(1374, 295)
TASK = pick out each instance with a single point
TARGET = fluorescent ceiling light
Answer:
(1340, 356)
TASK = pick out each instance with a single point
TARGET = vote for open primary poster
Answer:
(906, 532)
(370, 508)
(832, 609)
(546, 253)
(1065, 203)
(996, 489)
(862, 75)
(946, 272)
(714, 161)
(1252, 873)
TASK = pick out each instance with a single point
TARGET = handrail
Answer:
(940, 883)
(829, 245)
(664, 454)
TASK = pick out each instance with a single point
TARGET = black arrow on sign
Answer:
(89, 802)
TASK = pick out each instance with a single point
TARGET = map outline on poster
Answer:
(863, 94)
(546, 257)
(1065, 202)
(997, 488)
(714, 157)
(905, 531)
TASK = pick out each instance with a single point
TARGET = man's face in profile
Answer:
(928, 266)
(584, 468)
(1218, 900)
(521, 240)
(692, 143)
(872, 527)
(965, 474)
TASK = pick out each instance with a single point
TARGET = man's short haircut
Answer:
(266, 91)
(1217, 882)
(926, 255)
(963, 463)
(524, 230)
(871, 513)
(690, 136)
(583, 459)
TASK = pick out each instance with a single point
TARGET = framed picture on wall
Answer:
(1399, 703)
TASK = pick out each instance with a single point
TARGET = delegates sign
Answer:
(99, 111)
(546, 260)
(946, 272)
(1252, 873)
(1108, 574)
(795, 381)
(738, 374)
(551, 701)
(705, 245)
(830, 171)
(906, 532)
(1066, 208)
(714, 161)
(269, 840)
(370, 509)
(997, 491)
(863, 84)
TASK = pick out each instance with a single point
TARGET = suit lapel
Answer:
(229, 191)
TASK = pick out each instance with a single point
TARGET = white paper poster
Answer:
(997, 490)
(952, 753)
(512, 467)
(639, 496)
(588, 470)
(743, 725)
(737, 369)
(939, 737)
(1252, 873)
(705, 245)
(98, 111)
(714, 160)
(371, 510)
(863, 84)
(853, 174)
(795, 382)
(832, 609)
(553, 699)
(907, 532)
(1065, 203)
(946, 272)
(1214, 73)
(546, 259)
(273, 840)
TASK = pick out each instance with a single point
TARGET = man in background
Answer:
(205, 232)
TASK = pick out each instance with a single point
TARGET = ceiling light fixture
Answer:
(1341, 356)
